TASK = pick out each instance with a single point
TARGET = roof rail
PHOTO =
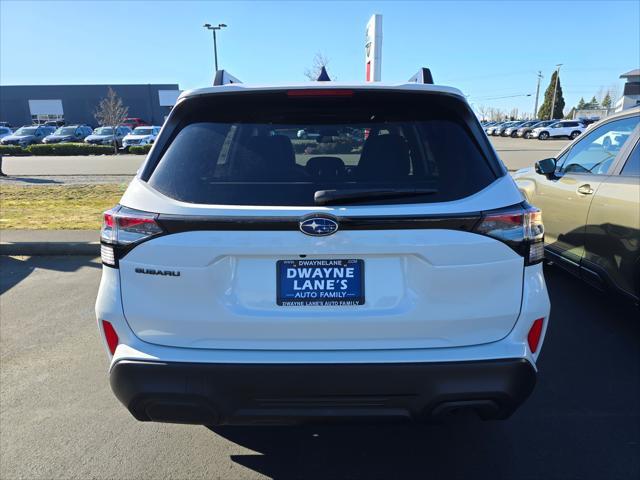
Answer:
(223, 77)
(423, 76)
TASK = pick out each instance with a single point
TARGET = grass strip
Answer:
(56, 207)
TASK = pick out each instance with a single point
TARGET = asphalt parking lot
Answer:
(59, 419)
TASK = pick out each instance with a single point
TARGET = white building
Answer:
(631, 94)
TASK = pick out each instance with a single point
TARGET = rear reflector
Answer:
(111, 336)
(534, 334)
(320, 93)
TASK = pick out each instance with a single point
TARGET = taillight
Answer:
(122, 228)
(110, 336)
(521, 228)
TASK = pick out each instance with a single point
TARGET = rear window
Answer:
(275, 150)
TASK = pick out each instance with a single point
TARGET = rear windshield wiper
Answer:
(329, 197)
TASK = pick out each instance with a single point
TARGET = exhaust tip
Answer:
(168, 410)
(485, 409)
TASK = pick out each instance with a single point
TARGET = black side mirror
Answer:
(546, 167)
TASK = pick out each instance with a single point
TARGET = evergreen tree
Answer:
(581, 104)
(545, 110)
(571, 113)
(606, 101)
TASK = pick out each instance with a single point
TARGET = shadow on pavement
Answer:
(374, 452)
(8, 180)
(14, 270)
(582, 421)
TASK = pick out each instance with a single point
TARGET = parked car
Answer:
(307, 134)
(588, 121)
(525, 130)
(590, 196)
(564, 128)
(486, 126)
(140, 136)
(133, 122)
(491, 129)
(105, 135)
(404, 282)
(27, 135)
(5, 132)
(499, 130)
(512, 131)
(70, 133)
(6, 124)
(54, 123)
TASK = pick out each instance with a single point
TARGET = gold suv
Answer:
(590, 198)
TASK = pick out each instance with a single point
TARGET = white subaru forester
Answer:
(388, 268)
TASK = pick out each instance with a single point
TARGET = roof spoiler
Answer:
(223, 77)
(423, 76)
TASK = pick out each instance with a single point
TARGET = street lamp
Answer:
(213, 28)
(555, 89)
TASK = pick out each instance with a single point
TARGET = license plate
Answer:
(320, 282)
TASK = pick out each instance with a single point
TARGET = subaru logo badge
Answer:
(318, 226)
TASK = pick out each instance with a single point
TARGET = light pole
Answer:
(555, 89)
(213, 28)
(535, 109)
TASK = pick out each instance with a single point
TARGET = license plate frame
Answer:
(354, 293)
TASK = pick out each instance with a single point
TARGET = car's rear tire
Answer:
(527, 135)
(514, 134)
(574, 135)
(543, 135)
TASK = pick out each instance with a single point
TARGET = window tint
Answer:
(632, 166)
(282, 153)
(597, 150)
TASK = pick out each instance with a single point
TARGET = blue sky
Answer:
(487, 49)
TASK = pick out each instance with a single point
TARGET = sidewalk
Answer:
(50, 242)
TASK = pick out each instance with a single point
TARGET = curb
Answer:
(50, 248)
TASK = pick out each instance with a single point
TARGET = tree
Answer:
(614, 92)
(319, 61)
(545, 110)
(497, 114)
(593, 104)
(110, 112)
(581, 104)
(606, 101)
(484, 111)
(571, 114)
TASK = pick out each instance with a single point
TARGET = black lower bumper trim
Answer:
(212, 394)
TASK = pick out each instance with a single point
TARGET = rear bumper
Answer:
(213, 394)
